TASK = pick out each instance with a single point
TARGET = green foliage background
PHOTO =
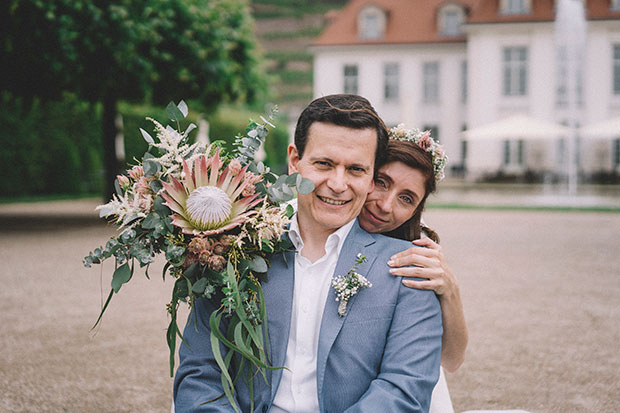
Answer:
(54, 148)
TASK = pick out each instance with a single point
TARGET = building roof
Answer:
(415, 21)
(408, 21)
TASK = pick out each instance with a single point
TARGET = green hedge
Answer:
(55, 148)
(49, 148)
(228, 122)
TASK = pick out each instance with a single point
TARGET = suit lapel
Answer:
(356, 242)
(278, 291)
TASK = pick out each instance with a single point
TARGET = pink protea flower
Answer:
(209, 200)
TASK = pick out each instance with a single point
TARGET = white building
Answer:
(451, 65)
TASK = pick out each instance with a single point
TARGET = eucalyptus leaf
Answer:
(106, 210)
(258, 264)
(192, 272)
(121, 275)
(155, 185)
(306, 186)
(151, 168)
(199, 286)
(292, 178)
(173, 112)
(147, 137)
(183, 108)
(190, 128)
(290, 211)
(118, 188)
(151, 221)
(159, 206)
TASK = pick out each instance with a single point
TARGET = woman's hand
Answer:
(429, 264)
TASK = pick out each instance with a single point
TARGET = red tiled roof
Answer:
(409, 21)
(542, 10)
(415, 21)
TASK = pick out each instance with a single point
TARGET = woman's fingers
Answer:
(420, 285)
(419, 272)
(414, 256)
(425, 242)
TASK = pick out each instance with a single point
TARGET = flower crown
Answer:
(424, 141)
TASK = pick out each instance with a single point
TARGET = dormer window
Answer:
(515, 6)
(451, 17)
(371, 23)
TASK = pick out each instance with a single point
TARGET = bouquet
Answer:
(217, 218)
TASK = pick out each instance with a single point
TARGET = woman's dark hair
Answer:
(417, 158)
(351, 111)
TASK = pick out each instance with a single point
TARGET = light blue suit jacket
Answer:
(382, 356)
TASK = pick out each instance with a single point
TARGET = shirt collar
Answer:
(335, 239)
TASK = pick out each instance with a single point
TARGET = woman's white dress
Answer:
(440, 400)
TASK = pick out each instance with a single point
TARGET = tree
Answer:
(108, 50)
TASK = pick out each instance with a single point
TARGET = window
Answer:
(391, 80)
(451, 23)
(515, 71)
(515, 6)
(371, 23)
(434, 131)
(513, 153)
(371, 27)
(431, 82)
(617, 69)
(464, 81)
(616, 152)
(350, 79)
(450, 19)
(615, 5)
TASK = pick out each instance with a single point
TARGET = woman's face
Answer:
(398, 192)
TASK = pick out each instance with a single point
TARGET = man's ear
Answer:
(293, 158)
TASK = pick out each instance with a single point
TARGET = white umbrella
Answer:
(609, 128)
(517, 127)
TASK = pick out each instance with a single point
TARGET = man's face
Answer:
(340, 162)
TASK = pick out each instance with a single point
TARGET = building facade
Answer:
(453, 65)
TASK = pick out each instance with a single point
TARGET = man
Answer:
(380, 355)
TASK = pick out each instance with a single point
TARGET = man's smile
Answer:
(331, 201)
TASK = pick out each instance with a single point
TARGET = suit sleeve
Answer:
(410, 365)
(197, 380)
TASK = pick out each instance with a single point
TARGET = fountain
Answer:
(570, 41)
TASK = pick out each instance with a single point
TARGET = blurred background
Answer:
(523, 94)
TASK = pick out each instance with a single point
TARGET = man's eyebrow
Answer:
(320, 158)
(360, 165)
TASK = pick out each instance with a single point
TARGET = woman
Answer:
(410, 174)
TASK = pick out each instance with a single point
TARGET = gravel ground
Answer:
(541, 292)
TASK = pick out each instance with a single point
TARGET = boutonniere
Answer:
(346, 286)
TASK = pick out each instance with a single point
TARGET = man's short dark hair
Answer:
(350, 111)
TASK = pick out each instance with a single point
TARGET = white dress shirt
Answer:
(297, 391)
